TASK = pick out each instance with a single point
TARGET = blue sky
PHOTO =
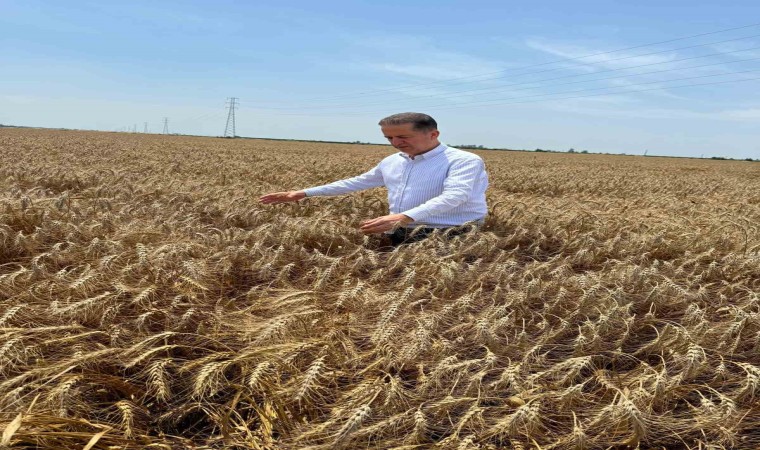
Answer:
(493, 73)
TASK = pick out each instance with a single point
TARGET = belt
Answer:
(408, 235)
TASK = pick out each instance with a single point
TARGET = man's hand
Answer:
(282, 197)
(384, 223)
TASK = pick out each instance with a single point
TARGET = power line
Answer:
(213, 114)
(479, 104)
(620, 58)
(617, 70)
(604, 78)
(488, 102)
(494, 89)
(448, 80)
(232, 101)
(622, 91)
(205, 117)
(568, 92)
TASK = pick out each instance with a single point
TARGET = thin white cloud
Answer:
(738, 50)
(752, 114)
(421, 59)
(431, 72)
(652, 89)
(167, 17)
(616, 99)
(18, 99)
(435, 72)
(614, 60)
(568, 104)
(669, 64)
(661, 70)
(730, 115)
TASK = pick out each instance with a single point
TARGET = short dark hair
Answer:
(420, 122)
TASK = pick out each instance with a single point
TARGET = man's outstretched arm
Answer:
(370, 179)
(282, 197)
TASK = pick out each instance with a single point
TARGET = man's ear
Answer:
(435, 133)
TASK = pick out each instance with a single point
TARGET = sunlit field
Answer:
(147, 300)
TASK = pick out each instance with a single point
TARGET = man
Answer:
(430, 185)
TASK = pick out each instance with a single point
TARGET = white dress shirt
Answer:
(440, 188)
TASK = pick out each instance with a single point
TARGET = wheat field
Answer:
(149, 301)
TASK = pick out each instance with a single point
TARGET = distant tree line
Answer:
(572, 150)
(467, 146)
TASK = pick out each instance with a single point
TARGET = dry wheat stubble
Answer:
(148, 299)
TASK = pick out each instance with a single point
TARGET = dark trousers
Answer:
(410, 235)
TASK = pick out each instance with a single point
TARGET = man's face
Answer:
(408, 140)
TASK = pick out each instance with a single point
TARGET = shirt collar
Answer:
(429, 154)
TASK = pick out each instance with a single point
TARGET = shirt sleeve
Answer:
(457, 188)
(370, 179)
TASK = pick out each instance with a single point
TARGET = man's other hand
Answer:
(384, 223)
(282, 197)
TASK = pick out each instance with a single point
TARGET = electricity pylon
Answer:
(230, 127)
